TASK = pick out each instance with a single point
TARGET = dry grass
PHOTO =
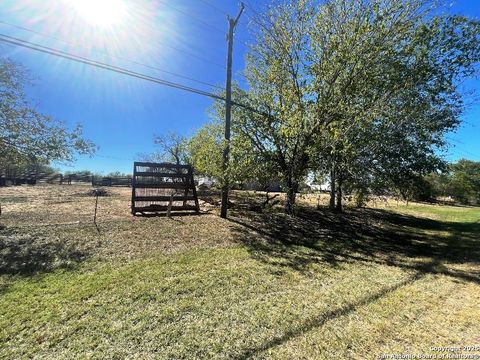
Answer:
(60, 219)
(385, 280)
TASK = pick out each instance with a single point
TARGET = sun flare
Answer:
(101, 12)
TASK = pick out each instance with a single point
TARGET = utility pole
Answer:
(228, 112)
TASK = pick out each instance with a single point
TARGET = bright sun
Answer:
(101, 12)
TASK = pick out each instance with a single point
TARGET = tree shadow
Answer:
(365, 235)
(321, 319)
(26, 254)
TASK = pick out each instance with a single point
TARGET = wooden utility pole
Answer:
(228, 112)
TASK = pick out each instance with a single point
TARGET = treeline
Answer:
(25, 169)
(461, 183)
(31, 174)
(357, 92)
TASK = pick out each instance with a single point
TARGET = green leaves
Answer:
(27, 135)
(371, 86)
(205, 150)
(464, 181)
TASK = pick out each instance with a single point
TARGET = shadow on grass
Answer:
(320, 320)
(27, 254)
(366, 235)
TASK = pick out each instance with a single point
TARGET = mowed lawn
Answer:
(389, 280)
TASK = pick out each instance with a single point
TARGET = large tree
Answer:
(26, 135)
(315, 66)
(321, 73)
(206, 146)
(205, 150)
(402, 142)
(277, 72)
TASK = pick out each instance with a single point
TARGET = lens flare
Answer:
(104, 13)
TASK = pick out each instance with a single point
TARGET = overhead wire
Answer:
(114, 56)
(161, 43)
(248, 8)
(83, 60)
(80, 59)
(462, 150)
(196, 18)
(214, 7)
(201, 22)
(33, 46)
(208, 3)
(206, 24)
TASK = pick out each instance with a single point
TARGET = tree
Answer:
(277, 72)
(206, 146)
(25, 170)
(205, 149)
(459, 181)
(173, 148)
(27, 136)
(317, 70)
(464, 181)
(411, 88)
(118, 174)
(323, 76)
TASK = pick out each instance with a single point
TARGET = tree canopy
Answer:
(26, 135)
(460, 181)
(362, 89)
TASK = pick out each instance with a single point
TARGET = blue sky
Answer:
(121, 114)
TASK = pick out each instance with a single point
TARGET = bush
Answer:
(360, 198)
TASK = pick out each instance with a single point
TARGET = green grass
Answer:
(443, 213)
(319, 286)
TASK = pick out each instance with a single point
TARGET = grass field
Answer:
(386, 280)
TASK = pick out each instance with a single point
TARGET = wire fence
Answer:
(61, 179)
(68, 204)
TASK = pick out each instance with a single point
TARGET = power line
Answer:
(83, 60)
(214, 7)
(208, 3)
(196, 18)
(202, 22)
(115, 56)
(161, 43)
(65, 55)
(460, 149)
(226, 14)
(255, 15)
(250, 7)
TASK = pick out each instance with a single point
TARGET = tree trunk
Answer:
(332, 188)
(292, 187)
(338, 208)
